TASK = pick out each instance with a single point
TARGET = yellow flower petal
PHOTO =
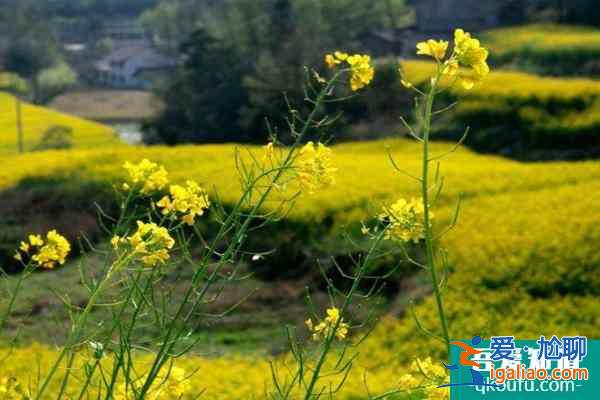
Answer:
(330, 61)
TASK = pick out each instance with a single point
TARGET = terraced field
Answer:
(523, 256)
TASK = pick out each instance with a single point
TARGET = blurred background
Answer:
(88, 84)
(192, 71)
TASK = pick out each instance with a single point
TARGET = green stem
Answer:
(80, 324)
(330, 338)
(168, 342)
(26, 272)
(427, 220)
(119, 357)
(65, 380)
(88, 380)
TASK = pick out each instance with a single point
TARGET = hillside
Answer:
(529, 217)
(521, 115)
(523, 255)
(37, 120)
(546, 48)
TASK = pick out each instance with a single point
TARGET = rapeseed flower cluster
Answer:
(430, 370)
(434, 48)
(404, 220)
(170, 383)
(314, 167)
(147, 175)
(45, 254)
(362, 72)
(186, 202)
(325, 328)
(11, 390)
(150, 243)
(175, 385)
(470, 54)
(467, 53)
(426, 376)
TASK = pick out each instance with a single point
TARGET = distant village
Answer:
(133, 61)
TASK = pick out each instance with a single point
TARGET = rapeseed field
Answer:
(37, 120)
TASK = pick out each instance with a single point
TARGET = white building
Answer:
(132, 65)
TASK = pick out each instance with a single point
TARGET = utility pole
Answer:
(16, 90)
(19, 124)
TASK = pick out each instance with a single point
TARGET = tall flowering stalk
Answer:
(466, 63)
(316, 172)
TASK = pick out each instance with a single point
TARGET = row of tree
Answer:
(31, 52)
(241, 56)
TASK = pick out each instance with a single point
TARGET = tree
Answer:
(577, 12)
(82, 8)
(54, 81)
(32, 46)
(164, 23)
(30, 49)
(281, 37)
(268, 42)
(28, 57)
(193, 112)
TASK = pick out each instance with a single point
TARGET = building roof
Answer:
(145, 54)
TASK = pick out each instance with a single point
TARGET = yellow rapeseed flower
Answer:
(408, 382)
(314, 167)
(470, 54)
(36, 240)
(150, 176)
(361, 71)
(170, 383)
(325, 327)
(436, 393)
(11, 390)
(426, 376)
(405, 220)
(340, 55)
(45, 254)
(331, 61)
(429, 369)
(269, 151)
(186, 202)
(150, 243)
(451, 67)
(24, 247)
(177, 383)
(115, 241)
(434, 48)
(406, 84)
